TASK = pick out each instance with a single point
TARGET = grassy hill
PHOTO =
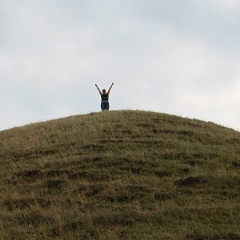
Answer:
(120, 175)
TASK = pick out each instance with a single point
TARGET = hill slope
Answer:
(120, 175)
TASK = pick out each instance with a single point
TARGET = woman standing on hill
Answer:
(104, 97)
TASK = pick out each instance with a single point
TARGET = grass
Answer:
(120, 175)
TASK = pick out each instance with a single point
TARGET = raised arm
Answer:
(110, 89)
(100, 92)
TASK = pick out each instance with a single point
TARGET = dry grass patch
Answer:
(120, 175)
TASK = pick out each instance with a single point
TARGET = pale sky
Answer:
(179, 57)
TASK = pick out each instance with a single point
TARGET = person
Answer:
(104, 97)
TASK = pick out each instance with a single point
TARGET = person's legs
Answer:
(104, 106)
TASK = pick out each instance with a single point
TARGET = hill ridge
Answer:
(120, 175)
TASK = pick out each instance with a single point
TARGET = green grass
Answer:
(120, 175)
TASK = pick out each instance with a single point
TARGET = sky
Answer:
(179, 57)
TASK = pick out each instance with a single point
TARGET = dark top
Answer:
(104, 97)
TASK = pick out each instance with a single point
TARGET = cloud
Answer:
(174, 56)
(228, 3)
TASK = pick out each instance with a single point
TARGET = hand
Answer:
(95, 85)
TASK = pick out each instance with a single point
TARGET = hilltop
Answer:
(120, 175)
